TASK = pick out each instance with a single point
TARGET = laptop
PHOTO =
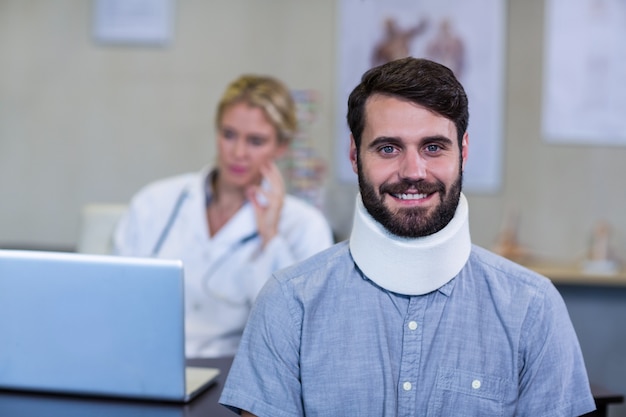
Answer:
(95, 325)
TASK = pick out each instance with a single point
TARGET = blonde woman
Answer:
(231, 224)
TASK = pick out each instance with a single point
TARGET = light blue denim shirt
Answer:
(324, 340)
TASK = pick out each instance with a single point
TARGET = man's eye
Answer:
(387, 149)
(432, 148)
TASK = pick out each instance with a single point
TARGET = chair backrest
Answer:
(97, 225)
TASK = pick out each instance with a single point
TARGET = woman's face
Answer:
(246, 141)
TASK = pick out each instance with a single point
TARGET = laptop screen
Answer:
(92, 324)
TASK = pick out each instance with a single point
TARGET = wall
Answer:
(82, 122)
(561, 190)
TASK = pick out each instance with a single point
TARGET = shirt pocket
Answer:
(467, 392)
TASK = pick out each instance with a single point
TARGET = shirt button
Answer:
(412, 325)
(407, 386)
(476, 384)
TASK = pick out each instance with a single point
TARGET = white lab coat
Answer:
(223, 273)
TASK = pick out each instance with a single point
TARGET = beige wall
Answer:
(82, 122)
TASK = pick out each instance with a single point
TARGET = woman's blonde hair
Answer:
(268, 94)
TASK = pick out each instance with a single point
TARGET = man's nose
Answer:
(412, 166)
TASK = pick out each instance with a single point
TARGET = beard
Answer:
(415, 221)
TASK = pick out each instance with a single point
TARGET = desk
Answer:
(206, 405)
(572, 275)
(603, 398)
(597, 305)
(13, 403)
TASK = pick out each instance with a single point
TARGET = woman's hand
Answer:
(268, 202)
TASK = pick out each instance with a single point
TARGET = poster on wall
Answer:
(137, 22)
(467, 36)
(584, 71)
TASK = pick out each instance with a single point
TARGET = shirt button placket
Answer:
(411, 348)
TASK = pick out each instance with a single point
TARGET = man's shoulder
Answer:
(506, 272)
(321, 265)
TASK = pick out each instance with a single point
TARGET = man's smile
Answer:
(410, 196)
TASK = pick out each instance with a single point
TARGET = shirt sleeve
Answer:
(264, 377)
(553, 377)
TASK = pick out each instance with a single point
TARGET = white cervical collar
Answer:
(410, 266)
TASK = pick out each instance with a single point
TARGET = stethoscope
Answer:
(182, 196)
(180, 201)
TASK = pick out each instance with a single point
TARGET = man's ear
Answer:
(464, 149)
(354, 154)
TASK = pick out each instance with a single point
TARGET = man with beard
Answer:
(408, 318)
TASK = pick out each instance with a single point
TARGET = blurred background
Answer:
(85, 120)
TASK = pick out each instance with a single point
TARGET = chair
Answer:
(97, 225)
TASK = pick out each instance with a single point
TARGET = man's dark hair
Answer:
(420, 81)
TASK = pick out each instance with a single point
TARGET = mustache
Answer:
(419, 186)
